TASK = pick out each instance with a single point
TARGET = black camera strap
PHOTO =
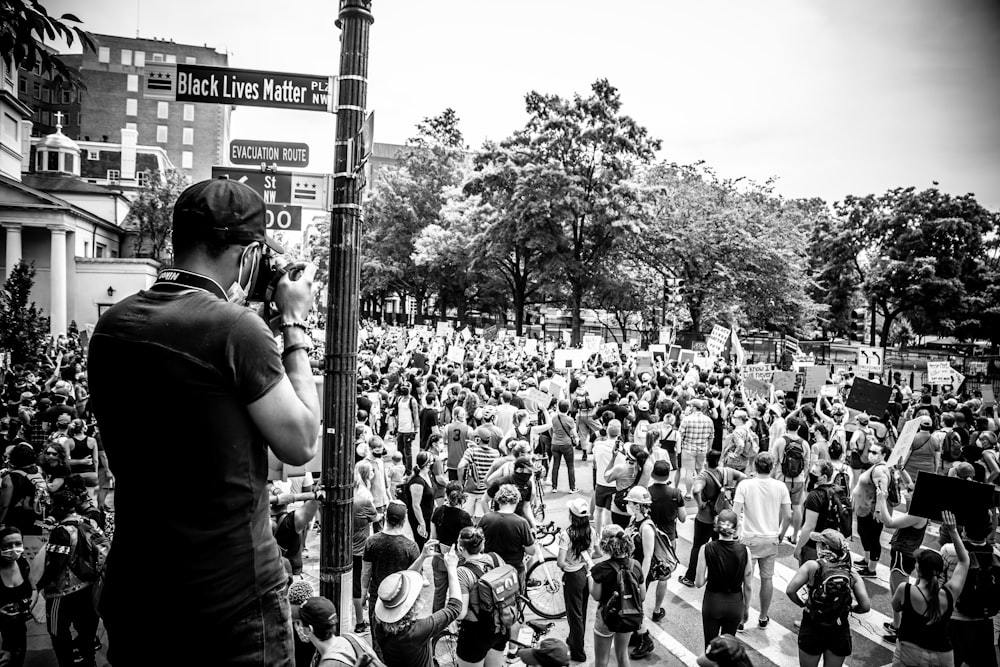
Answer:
(179, 280)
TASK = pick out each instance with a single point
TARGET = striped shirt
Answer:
(479, 460)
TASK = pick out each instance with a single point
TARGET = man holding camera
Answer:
(193, 534)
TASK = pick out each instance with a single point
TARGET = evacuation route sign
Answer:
(252, 88)
(278, 153)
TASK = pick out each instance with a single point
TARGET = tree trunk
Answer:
(518, 313)
(575, 306)
(695, 311)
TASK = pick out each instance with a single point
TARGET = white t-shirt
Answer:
(762, 498)
(603, 450)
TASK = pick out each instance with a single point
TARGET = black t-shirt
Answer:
(818, 501)
(388, 554)
(289, 541)
(666, 500)
(428, 420)
(606, 574)
(449, 522)
(508, 536)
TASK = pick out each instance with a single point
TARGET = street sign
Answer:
(253, 88)
(277, 153)
(160, 81)
(284, 218)
(272, 186)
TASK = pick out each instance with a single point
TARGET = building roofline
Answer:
(52, 202)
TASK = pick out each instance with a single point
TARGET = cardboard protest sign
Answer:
(610, 351)
(674, 353)
(868, 397)
(988, 397)
(531, 346)
(815, 380)
(717, 340)
(784, 380)
(418, 360)
(869, 360)
(644, 362)
(444, 329)
(754, 387)
(904, 442)
(570, 359)
(659, 352)
(665, 336)
(939, 372)
(956, 378)
(686, 356)
(829, 391)
(592, 343)
(704, 363)
(541, 398)
(466, 334)
(556, 385)
(491, 332)
(968, 500)
(598, 388)
(456, 353)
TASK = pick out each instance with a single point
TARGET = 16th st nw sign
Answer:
(254, 88)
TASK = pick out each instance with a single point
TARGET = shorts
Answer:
(474, 643)
(692, 460)
(765, 551)
(603, 496)
(795, 490)
(600, 627)
(815, 639)
(908, 654)
(904, 563)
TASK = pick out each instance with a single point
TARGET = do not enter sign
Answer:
(282, 218)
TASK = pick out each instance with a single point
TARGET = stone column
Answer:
(14, 252)
(57, 277)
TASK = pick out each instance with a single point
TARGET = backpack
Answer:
(366, 656)
(623, 612)
(893, 495)
(839, 512)
(92, 549)
(980, 597)
(831, 593)
(495, 594)
(38, 501)
(665, 559)
(793, 459)
(724, 498)
(951, 446)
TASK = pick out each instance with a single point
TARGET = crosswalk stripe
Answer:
(667, 641)
(872, 620)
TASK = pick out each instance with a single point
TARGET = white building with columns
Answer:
(70, 229)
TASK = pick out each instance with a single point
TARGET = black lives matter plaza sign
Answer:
(254, 88)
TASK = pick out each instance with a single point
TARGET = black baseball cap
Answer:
(224, 209)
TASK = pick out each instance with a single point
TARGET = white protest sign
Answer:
(659, 352)
(550, 346)
(556, 385)
(716, 342)
(592, 343)
(704, 363)
(609, 350)
(634, 343)
(665, 336)
(828, 390)
(541, 398)
(466, 334)
(456, 353)
(938, 372)
(957, 378)
(570, 359)
(904, 442)
(412, 345)
(869, 360)
(692, 376)
(816, 377)
(598, 388)
(531, 346)
(761, 372)
(567, 337)
(501, 334)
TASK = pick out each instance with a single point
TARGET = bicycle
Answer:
(445, 650)
(545, 534)
(538, 493)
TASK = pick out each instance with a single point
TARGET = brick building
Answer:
(194, 136)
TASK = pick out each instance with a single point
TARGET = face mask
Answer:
(813, 481)
(13, 553)
(246, 277)
(522, 477)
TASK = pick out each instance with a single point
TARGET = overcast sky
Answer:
(831, 98)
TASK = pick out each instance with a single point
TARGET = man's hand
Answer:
(293, 295)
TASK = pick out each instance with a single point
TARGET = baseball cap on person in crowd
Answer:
(832, 539)
(661, 471)
(484, 433)
(926, 423)
(396, 510)
(579, 507)
(224, 209)
(724, 651)
(643, 406)
(318, 613)
(550, 652)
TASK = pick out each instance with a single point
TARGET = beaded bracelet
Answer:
(295, 325)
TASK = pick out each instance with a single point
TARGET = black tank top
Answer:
(916, 629)
(81, 449)
(20, 593)
(726, 561)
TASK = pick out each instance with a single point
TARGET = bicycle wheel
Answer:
(544, 598)
(538, 508)
(445, 650)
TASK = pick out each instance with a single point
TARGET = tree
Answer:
(571, 170)
(921, 253)
(405, 200)
(151, 215)
(23, 328)
(25, 24)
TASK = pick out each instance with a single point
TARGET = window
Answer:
(103, 54)
(132, 85)
(127, 57)
(53, 161)
(99, 249)
(11, 128)
(188, 139)
(131, 107)
(114, 254)
(142, 178)
(157, 57)
(36, 90)
(69, 163)
(114, 175)
(86, 248)
(93, 155)
(162, 110)
(161, 134)
(171, 58)
(187, 160)
(79, 120)
(189, 112)
(191, 60)
(140, 58)
(67, 96)
(131, 126)
(22, 86)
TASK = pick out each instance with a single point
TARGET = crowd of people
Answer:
(452, 454)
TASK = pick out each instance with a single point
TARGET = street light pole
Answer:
(341, 360)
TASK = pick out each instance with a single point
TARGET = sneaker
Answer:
(659, 614)
(861, 561)
(889, 627)
(740, 628)
(573, 489)
(644, 648)
(686, 582)
(865, 572)
(796, 625)
(890, 637)
(763, 621)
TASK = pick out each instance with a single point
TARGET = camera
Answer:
(272, 267)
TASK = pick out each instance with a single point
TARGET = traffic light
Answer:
(676, 290)
(857, 324)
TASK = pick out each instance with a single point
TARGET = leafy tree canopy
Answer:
(24, 25)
